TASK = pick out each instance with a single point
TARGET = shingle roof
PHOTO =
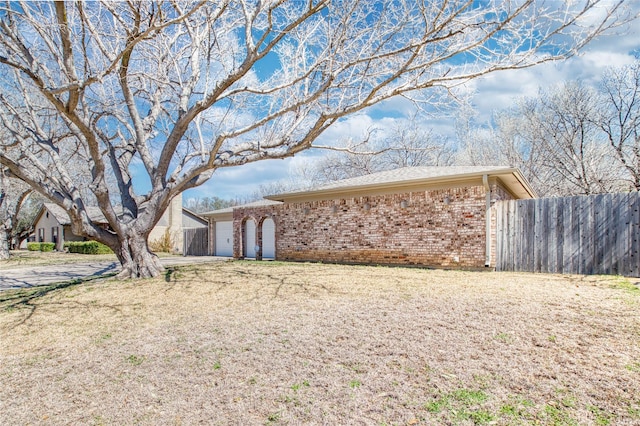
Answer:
(196, 216)
(258, 203)
(405, 175)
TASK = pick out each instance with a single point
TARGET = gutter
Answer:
(487, 190)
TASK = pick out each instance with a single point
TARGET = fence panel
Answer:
(598, 234)
(196, 242)
(634, 239)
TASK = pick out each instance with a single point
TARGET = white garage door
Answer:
(224, 238)
(268, 239)
(249, 246)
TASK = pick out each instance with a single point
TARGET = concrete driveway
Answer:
(42, 275)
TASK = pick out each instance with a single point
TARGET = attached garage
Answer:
(241, 242)
(224, 238)
(221, 231)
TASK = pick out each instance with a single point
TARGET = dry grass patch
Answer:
(24, 258)
(272, 343)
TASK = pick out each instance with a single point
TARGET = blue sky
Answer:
(494, 91)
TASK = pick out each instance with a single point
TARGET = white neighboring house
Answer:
(52, 224)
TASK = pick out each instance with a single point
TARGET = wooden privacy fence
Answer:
(196, 242)
(596, 234)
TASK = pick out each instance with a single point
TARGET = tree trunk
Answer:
(4, 220)
(136, 259)
(4, 243)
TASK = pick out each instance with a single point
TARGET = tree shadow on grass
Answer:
(181, 276)
(168, 273)
(278, 284)
(263, 282)
(27, 298)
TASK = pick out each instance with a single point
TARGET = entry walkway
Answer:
(25, 277)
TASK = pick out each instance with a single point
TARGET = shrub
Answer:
(33, 246)
(163, 244)
(41, 246)
(87, 247)
(47, 246)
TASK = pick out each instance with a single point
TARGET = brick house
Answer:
(429, 216)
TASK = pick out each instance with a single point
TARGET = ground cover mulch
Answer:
(275, 343)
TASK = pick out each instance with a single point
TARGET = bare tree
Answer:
(406, 144)
(553, 139)
(205, 204)
(568, 148)
(179, 89)
(13, 195)
(499, 142)
(620, 117)
(5, 225)
(345, 165)
(478, 144)
(410, 144)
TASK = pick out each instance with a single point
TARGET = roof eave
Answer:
(194, 214)
(39, 215)
(301, 195)
(525, 183)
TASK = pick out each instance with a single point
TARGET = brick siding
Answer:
(412, 228)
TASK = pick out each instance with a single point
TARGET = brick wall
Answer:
(443, 227)
(258, 215)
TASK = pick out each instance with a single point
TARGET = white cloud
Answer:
(240, 181)
(502, 89)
